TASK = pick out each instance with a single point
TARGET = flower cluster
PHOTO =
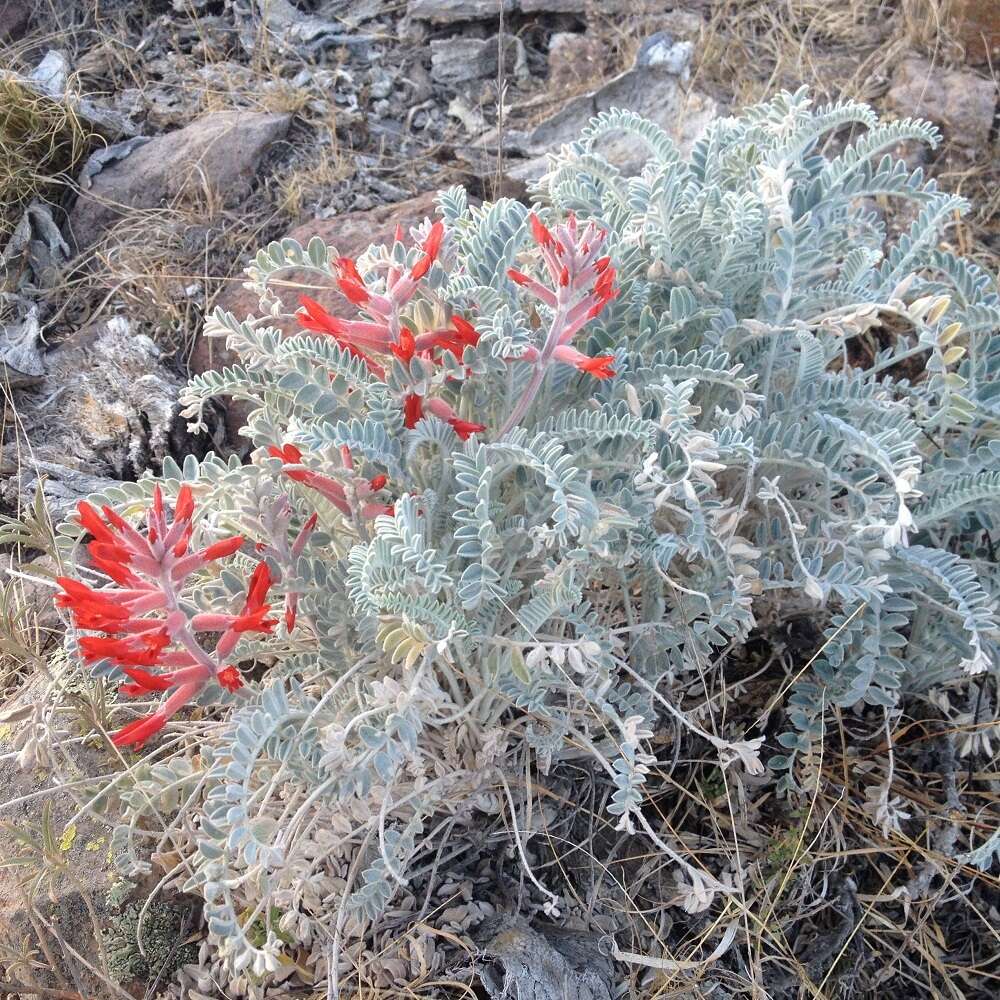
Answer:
(358, 502)
(583, 283)
(142, 620)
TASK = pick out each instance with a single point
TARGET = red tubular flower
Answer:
(141, 650)
(413, 410)
(150, 568)
(378, 482)
(463, 428)
(431, 247)
(136, 733)
(144, 682)
(406, 347)
(184, 508)
(542, 235)
(582, 284)
(219, 550)
(312, 316)
(253, 617)
(465, 331)
(230, 678)
(287, 453)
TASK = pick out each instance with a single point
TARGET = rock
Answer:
(960, 101)
(219, 151)
(52, 73)
(651, 91)
(446, 11)
(35, 252)
(976, 23)
(549, 963)
(575, 60)
(661, 50)
(15, 16)
(293, 30)
(351, 234)
(104, 410)
(20, 358)
(573, 6)
(459, 60)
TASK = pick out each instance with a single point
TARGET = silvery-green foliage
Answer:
(749, 461)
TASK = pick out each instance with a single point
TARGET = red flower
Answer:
(431, 247)
(463, 428)
(465, 331)
(141, 650)
(136, 733)
(542, 235)
(413, 410)
(230, 678)
(150, 569)
(327, 486)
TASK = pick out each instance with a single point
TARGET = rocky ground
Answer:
(147, 149)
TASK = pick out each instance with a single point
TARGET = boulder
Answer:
(461, 60)
(976, 24)
(654, 91)
(218, 153)
(961, 102)
(350, 234)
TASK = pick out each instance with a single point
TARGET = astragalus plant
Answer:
(558, 464)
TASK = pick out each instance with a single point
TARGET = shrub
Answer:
(561, 461)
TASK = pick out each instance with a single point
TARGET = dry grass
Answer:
(41, 140)
(848, 49)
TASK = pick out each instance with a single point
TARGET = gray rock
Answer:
(961, 102)
(35, 252)
(219, 152)
(572, 6)
(52, 72)
(661, 50)
(445, 11)
(460, 60)
(549, 963)
(293, 29)
(20, 358)
(105, 409)
(651, 91)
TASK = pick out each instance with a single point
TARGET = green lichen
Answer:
(162, 931)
